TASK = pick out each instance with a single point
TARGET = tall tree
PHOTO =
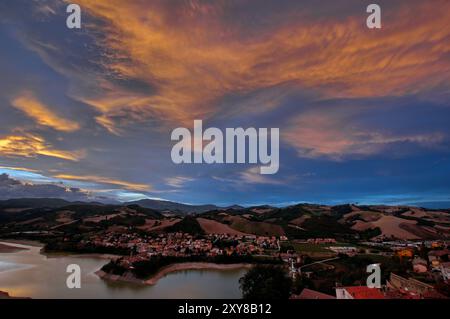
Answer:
(266, 282)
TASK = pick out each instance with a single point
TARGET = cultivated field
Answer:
(214, 227)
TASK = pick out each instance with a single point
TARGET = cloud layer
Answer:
(361, 112)
(11, 188)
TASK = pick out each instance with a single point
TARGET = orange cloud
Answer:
(106, 180)
(29, 145)
(193, 58)
(41, 113)
(320, 134)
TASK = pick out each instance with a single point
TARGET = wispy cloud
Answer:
(32, 145)
(338, 136)
(253, 176)
(178, 181)
(106, 180)
(184, 67)
(41, 113)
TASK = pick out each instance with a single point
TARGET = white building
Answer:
(445, 270)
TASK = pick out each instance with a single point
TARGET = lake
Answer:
(27, 273)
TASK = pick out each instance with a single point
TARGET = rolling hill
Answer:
(297, 221)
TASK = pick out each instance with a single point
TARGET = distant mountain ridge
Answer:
(159, 205)
(162, 205)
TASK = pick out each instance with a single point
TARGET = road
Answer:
(317, 262)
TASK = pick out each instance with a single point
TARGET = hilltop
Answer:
(299, 221)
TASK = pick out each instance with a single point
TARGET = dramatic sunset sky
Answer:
(363, 114)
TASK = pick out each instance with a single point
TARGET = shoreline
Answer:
(130, 278)
(22, 242)
(6, 295)
(17, 245)
(78, 255)
(9, 249)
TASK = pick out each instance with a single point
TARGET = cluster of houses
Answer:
(436, 266)
(396, 287)
(184, 244)
(402, 244)
(437, 261)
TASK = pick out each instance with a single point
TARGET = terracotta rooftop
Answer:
(432, 294)
(364, 292)
(312, 294)
(398, 294)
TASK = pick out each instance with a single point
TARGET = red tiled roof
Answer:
(312, 294)
(398, 294)
(364, 292)
(432, 294)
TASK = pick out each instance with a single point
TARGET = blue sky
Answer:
(363, 114)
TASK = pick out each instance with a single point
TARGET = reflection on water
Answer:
(4, 266)
(27, 273)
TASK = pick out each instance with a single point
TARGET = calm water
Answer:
(27, 273)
